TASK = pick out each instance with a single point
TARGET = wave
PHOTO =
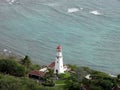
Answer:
(95, 12)
(72, 10)
(112, 75)
(11, 1)
(51, 4)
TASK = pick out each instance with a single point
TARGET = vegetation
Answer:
(118, 76)
(8, 66)
(14, 72)
(99, 81)
(64, 76)
(26, 61)
(48, 82)
(12, 83)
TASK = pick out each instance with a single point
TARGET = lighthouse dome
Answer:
(59, 47)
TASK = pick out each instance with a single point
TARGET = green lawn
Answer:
(67, 75)
(56, 87)
(60, 82)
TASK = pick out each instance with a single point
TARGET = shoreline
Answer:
(4, 52)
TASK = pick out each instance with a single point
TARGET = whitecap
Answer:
(72, 10)
(112, 75)
(95, 12)
(10, 1)
(5, 50)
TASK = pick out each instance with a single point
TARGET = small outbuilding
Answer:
(36, 74)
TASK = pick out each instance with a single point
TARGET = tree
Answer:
(79, 74)
(26, 61)
(74, 81)
(34, 67)
(118, 76)
(105, 84)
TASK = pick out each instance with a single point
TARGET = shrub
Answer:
(12, 83)
(93, 87)
(118, 76)
(9, 83)
(105, 84)
(49, 83)
(11, 67)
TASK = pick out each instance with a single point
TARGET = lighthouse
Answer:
(59, 61)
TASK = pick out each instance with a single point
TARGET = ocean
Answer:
(87, 30)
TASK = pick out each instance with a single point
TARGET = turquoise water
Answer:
(88, 30)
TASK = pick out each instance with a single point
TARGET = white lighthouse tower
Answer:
(59, 61)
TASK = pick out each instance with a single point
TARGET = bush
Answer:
(73, 67)
(34, 67)
(9, 83)
(11, 67)
(12, 83)
(93, 87)
(106, 84)
(118, 76)
(49, 83)
(99, 75)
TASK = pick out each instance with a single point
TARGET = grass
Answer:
(56, 87)
(60, 82)
(67, 75)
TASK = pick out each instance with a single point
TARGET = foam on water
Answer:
(11, 1)
(112, 75)
(95, 12)
(72, 10)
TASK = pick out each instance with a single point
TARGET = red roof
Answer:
(37, 73)
(59, 47)
(116, 88)
(52, 65)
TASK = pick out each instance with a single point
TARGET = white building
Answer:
(59, 61)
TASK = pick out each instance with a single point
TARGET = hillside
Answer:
(14, 76)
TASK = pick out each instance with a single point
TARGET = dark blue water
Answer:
(88, 30)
